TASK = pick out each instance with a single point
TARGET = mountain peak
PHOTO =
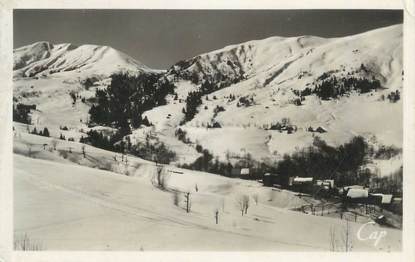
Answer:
(44, 58)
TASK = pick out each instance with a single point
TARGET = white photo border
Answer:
(6, 158)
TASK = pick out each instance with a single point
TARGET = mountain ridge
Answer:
(44, 58)
(252, 87)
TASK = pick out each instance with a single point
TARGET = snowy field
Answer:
(62, 205)
(71, 196)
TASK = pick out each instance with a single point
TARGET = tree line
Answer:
(321, 161)
(344, 163)
(330, 86)
(194, 100)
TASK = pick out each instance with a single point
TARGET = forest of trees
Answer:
(394, 96)
(153, 151)
(321, 161)
(121, 105)
(330, 86)
(208, 163)
(194, 100)
(156, 151)
(21, 113)
(44, 132)
(391, 184)
(98, 139)
(90, 81)
(334, 87)
(182, 135)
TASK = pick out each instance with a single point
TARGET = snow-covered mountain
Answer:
(43, 58)
(257, 100)
(294, 61)
(254, 85)
(59, 71)
(273, 75)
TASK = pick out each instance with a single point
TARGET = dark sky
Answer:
(159, 38)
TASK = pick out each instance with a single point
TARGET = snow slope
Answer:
(278, 60)
(269, 71)
(43, 59)
(47, 75)
(63, 205)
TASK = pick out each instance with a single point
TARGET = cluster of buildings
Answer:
(351, 194)
(324, 187)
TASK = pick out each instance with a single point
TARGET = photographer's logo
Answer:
(367, 233)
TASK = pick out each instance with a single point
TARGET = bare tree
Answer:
(29, 150)
(340, 241)
(24, 243)
(243, 204)
(161, 177)
(64, 154)
(187, 201)
(256, 198)
(54, 143)
(126, 172)
(83, 151)
(346, 241)
(333, 240)
(176, 198)
(246, 203)
(240, 205)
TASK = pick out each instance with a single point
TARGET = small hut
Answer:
(320, 130)
(245, 172)
(270, 179)
(301, 184)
